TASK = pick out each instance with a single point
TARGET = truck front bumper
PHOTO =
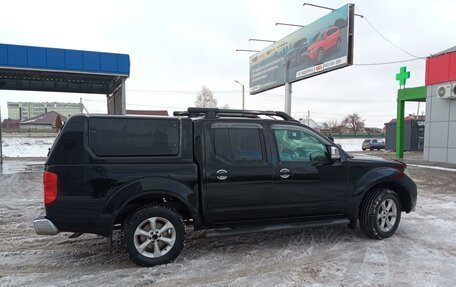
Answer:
(44, 226)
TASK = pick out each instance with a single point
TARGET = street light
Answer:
(288, 24)
(247, 50)
(261, 40)
(243, 97)
(327, 8)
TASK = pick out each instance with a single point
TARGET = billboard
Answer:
(322, 46)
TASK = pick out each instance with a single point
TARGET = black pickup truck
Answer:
(224, 171)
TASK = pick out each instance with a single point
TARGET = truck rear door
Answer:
(238, 173)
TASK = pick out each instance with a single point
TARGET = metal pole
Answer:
(288, 89)
(261, 40)
(288, 24)
(243, 93)
(1, 143)
(418, 111)
(400, 128)
(247, 50)
(327, 8)
(243, 97)
(288, 92)
(123, 103)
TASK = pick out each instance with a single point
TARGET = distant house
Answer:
(41, 122)
(311, 123)
(411, 117)
(148, 112)
(10, 124)
(341, 129)
(373, 130)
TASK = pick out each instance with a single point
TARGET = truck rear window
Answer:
(134, 136)
(239, 144)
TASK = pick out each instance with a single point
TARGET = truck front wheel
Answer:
(153, 234)
(380, 213)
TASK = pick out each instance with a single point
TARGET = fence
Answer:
(364, 135)
(29, 133)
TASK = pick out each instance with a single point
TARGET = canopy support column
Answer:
(117, 104)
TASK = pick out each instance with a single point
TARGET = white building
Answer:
(26, 110)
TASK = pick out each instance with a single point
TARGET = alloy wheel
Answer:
(386, 215)
(154, 237)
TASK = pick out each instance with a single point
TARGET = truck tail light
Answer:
(50, 187)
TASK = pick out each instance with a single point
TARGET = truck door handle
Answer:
(222, 174)
(285, 173)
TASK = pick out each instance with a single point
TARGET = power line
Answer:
(181, 92)
(343, 115)
(139, 105)
(161, 107)
(385, 38)
(330, 100)
(387, 63)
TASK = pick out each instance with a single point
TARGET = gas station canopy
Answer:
(29, 68)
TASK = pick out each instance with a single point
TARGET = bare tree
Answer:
(353, 122)
(225, 106)
(331, 124)
(205, 99)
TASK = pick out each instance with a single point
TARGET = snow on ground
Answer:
(38, 147)
(26, 146)
(350, 144)
(421, 253)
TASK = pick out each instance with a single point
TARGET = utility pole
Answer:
(243, 93)
(418, 111)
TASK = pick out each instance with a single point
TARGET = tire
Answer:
(375, 219)
(164, 244)
(364, 149)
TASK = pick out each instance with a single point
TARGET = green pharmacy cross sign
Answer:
(402, 76)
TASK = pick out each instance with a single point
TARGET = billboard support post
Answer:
(288, 92)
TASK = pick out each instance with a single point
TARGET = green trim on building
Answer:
(416, 94)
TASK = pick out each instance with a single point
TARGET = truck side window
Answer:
(134, 137)
(222, 144)
(239, 144)
(298, 145)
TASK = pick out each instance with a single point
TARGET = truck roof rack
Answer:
(212, 113)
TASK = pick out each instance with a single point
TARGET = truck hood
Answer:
(376, 160)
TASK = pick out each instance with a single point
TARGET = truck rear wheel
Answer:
(153, 235)
(380, 213)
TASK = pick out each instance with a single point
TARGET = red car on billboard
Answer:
(323, 42)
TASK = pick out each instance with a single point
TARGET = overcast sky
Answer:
(176, 47)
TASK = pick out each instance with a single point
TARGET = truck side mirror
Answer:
(335, 154)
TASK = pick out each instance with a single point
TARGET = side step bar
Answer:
(276, 227)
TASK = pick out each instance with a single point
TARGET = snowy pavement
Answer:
(26, 146)
(39, 146)
(421, 253)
